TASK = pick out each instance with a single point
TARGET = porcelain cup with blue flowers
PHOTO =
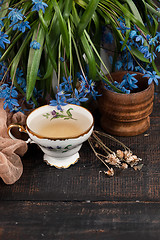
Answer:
(59, 133)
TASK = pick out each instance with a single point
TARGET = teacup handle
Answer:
(21, 129)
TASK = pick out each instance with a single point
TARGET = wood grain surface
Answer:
(81, 202)
(79, 220)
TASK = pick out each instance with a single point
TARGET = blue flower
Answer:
(132, 34)
(37, 93)
(67, 84)
(158, 48)
(123, 89)
(148, 55)
(10, 92)
(128, 62)
(139, 38)
(129, 44)
(2, 88)
(15, 15)
(38, 4)
(78, 98)
(20, 79)
(59, 102)
(152, 77)
(145, 51)
(158, 35)
(35, 45)
(85, 88)
(122, 27)
(11, 103)
(129, 81)
(139, 69)
(153, 41)
(3, 39)
(23, 25)
(62, 59)
(92, 92)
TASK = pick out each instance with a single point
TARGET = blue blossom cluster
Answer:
(9, 93)
(144, 45)
(38, 4)
(18, 22)
(65, 93)
(35, 45)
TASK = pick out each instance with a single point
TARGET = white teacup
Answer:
(59, 134)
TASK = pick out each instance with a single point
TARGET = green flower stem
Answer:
(70, 50)
(78, 58)
(59, 61)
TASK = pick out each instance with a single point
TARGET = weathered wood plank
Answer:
(74, 220)
(85, 180)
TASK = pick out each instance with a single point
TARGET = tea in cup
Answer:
(59, 134)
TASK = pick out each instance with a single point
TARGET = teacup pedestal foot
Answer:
(61, 162)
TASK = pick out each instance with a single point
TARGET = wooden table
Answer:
(83, 203)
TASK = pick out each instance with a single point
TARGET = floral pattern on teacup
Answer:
(55, 114)
(59, 149)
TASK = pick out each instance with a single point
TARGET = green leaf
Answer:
(33, 62)
(87, 16)
(67, 9)
(139, 55)
(16, 60)
(86, 48)
(134, 10)
(68, 112)
(35, 55)
(95, 50)
(62, 25)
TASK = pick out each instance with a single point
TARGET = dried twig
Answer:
(120, 159)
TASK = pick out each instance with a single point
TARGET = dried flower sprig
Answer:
(121, 159)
